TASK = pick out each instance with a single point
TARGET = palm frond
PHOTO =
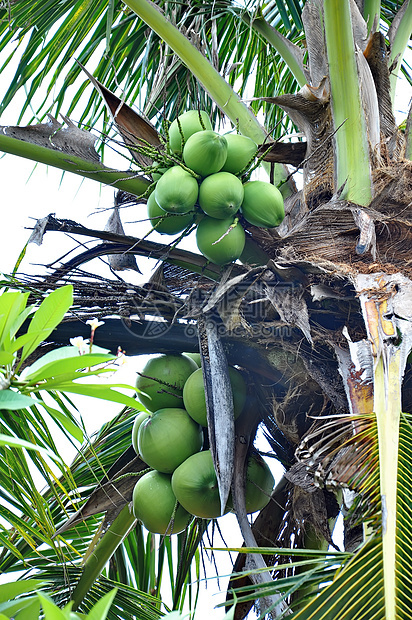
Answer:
(341, 586)
(49, 35)
(128, 602)
(150, 76)
(374, 462)
(46, 511)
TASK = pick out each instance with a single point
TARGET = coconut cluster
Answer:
(169, 438)
(206, 186)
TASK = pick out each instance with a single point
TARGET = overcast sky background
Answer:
(29, 192)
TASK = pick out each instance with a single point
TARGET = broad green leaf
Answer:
(49, 314)
(59, 353)
(14, 607)
(12, 589)
(103, 391)
(8, 440)
(12, 303)
(51, 611)
(68, 608)
(102, 607)
(23, 315)
(73, 430)
(26, 339)
(231, 613)
(55, 383)
(6, 358)
(14, 400)
(67, 365)
(30, 612)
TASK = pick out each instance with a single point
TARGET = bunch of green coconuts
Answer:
(206, 188)
(182, 483)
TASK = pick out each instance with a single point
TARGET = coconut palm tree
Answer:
(317, 314)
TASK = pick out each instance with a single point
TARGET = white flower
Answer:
(94, 323)
(81, 344)
(121, 358)
(4, 383)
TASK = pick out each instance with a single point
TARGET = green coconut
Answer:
(218, 241)
(259, 483)
(220, 195)
(205, 152)
(262, 204)
(139, 419)
(166, 223)
(240, 151)
(194, 484)
(154, 505)
(195, 357)
(160, 384)
(160, 170)
(167, 438)
(176, 191)
(190, 123)
(194, 398)
(253, 254)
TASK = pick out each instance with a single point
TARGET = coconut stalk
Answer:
(219, 90)
(271, 603)
(99, 554)
(91, 169)
(122, 244)
(229, 456)
(353, 171)
(219, 404)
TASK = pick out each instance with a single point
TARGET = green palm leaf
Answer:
(46, 512)
(344, 587)
(358, 590)
(135, 57)
(128, 602)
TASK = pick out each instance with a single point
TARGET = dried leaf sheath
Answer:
(219, 403)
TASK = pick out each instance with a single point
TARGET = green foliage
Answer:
(131, 55)
(99, 611)
(176, 615)
(16, 601)
(30, 398)
(49, 314)
(60, 370)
